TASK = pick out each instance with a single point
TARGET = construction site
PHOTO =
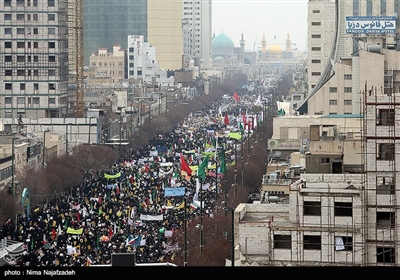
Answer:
(308, 216)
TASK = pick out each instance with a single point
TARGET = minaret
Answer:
(264, 48)
(288, 43)
(242, 48)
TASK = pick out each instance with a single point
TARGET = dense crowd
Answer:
(138, 204)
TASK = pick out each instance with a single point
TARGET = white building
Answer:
(142, 63)
(197, 18)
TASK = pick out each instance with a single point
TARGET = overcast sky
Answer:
(257, 17)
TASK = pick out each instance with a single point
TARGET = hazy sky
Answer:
(257, 17)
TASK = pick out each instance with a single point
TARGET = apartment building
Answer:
(104, 64)
(33, 59)
(197, 17)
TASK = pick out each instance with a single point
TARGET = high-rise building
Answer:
(198, 15)
(334, 75)
(33, 59)
(109, 22)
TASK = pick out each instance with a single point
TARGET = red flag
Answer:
(185, 167)
(226, 120)
(236, 96)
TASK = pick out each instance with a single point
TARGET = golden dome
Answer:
(275, 49)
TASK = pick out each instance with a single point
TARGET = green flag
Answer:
(241, 127)
(201, 172)
(281, 112)
(222, 167)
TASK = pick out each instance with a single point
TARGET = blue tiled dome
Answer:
(222, 41)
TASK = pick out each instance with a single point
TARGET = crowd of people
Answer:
(138, 204)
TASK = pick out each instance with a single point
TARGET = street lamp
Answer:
(44, 146)
(232, 210)
(66, 138)
(90, 124)
(120, 128)
(13, 165)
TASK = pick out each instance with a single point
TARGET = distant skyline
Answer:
(254, 18)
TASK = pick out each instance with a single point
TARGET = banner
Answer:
(174, 191)
(74, 231)
(110, 176)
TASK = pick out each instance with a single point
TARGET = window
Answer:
(35, 45)
(385, 117)
(51, 17)
(20, 45)
(20, 30)
(52, 100)
(7, 30)
(315, 48)
(20, 3)
(35, 31)
(385, 220)
(295, 97)
(332, 89)
(35, 17)
(385, 255)
(50, 3)
(325, 160)
(315, 11)
(347, 89)
(8, 58)
(332, 102)
(385, 185)
(7, 45)
(311, 242)
(8, 86)
(52, 72)
(315, 73)
(343, 209)
(347, 77)
(20, 100)
(20, 17)
(22, 86)
(316, 23)
(316, 36)
(20, 58)
(315, 61)
(35, 72)
(7, 16)
(282, 241)
(51, 30)
(21, 72)
(36, 86)
(7, 3)
(8, 72)
(35, 58)
(52, 58)
(348, 102)
(35, 100)
(52, 86)
(52, 45)
(343, 243)
(8, 100)
(312, 208)
(385, 151)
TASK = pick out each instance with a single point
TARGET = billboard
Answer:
(371, 25)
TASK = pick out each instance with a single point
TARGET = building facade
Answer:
(198, 15)
(33, 59)
(108, 64)
(335, 41)
(110, 22)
